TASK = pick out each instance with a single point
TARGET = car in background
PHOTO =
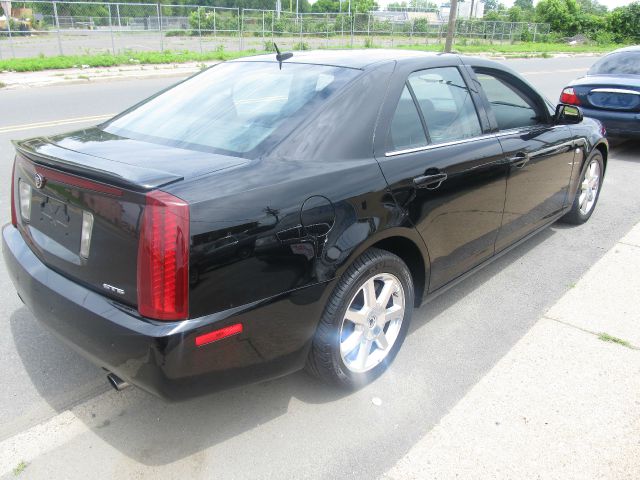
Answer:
(265, 216)
(610, 92)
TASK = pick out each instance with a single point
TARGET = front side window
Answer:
(511, 108)
(446, 104)
(235, 108)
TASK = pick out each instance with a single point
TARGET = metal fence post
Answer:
(263, 27)
(118, 14)
(300, 20)
(113, 43)
(352, 22)
(55, 15)
(13, 53)
(199, 30)
(241, 28)
(535, 31)
(326, 27)
(159, 12)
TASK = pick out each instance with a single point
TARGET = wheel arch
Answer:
(407, 244)
(604, 150)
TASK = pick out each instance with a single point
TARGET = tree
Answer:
(524, 4)
(364, 5)
(490, 5)
(624, 21)
(592, 7)
(561, 15)
(324, 6)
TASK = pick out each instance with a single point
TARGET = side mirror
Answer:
(568, 114)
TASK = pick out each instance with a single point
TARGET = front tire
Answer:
(365, 321)
(588, 191)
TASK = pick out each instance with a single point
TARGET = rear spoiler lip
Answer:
(134, 178)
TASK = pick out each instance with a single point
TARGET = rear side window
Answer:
(621, 63)
(446, 104)
(511, 108)
(406, 128)
(237, 108)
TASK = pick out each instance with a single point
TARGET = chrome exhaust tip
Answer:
(116, 382)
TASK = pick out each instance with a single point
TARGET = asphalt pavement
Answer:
(292, 427)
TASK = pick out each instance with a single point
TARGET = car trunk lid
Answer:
(609, 93)
(77, 186)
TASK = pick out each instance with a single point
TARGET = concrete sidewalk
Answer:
(564, 403)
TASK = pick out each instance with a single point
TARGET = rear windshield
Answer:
(236, 108)
(622, 63)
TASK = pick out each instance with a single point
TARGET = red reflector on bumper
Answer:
(218, 334)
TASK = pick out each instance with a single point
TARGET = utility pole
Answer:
(453, 10)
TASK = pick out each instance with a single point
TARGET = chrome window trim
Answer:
(394, 153)
(614, 90)
(501, 133)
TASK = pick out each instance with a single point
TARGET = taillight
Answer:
(163, 258)
(569, 96)
(14, 217)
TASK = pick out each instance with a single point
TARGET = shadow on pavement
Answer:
(154, 432)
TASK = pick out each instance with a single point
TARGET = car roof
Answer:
(632, 48)
(351, 58)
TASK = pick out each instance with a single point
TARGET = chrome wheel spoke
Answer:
(369, 292)
(385, 293)
(363, 353)
(382, 342)
(359, 317)
(350, 343)
(394, 312)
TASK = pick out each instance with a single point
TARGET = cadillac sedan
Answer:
(281, 212)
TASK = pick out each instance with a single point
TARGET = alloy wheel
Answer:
(589, 187)
(372, 322)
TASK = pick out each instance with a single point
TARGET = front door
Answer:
(539, 154)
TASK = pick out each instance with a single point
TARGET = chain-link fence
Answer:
(71, 28)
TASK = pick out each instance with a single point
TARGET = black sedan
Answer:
(267, 215)
(610, 92)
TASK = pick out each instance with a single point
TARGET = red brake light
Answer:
(163, 258)
(14, 217)
(216, 335)
(569, 96)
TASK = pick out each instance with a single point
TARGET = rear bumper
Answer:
(618, 124)
(161, 357)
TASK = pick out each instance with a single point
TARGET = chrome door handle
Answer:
(430, 181)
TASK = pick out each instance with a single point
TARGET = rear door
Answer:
(443, 168)
(539, 154)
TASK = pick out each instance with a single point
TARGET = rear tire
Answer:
(588, 191)
(364, 322)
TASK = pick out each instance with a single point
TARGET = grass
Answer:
(524, 49)
(107, 60)
(19, 468)
(605, 337)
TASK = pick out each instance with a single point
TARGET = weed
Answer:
(20, 468)
(605, 337)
